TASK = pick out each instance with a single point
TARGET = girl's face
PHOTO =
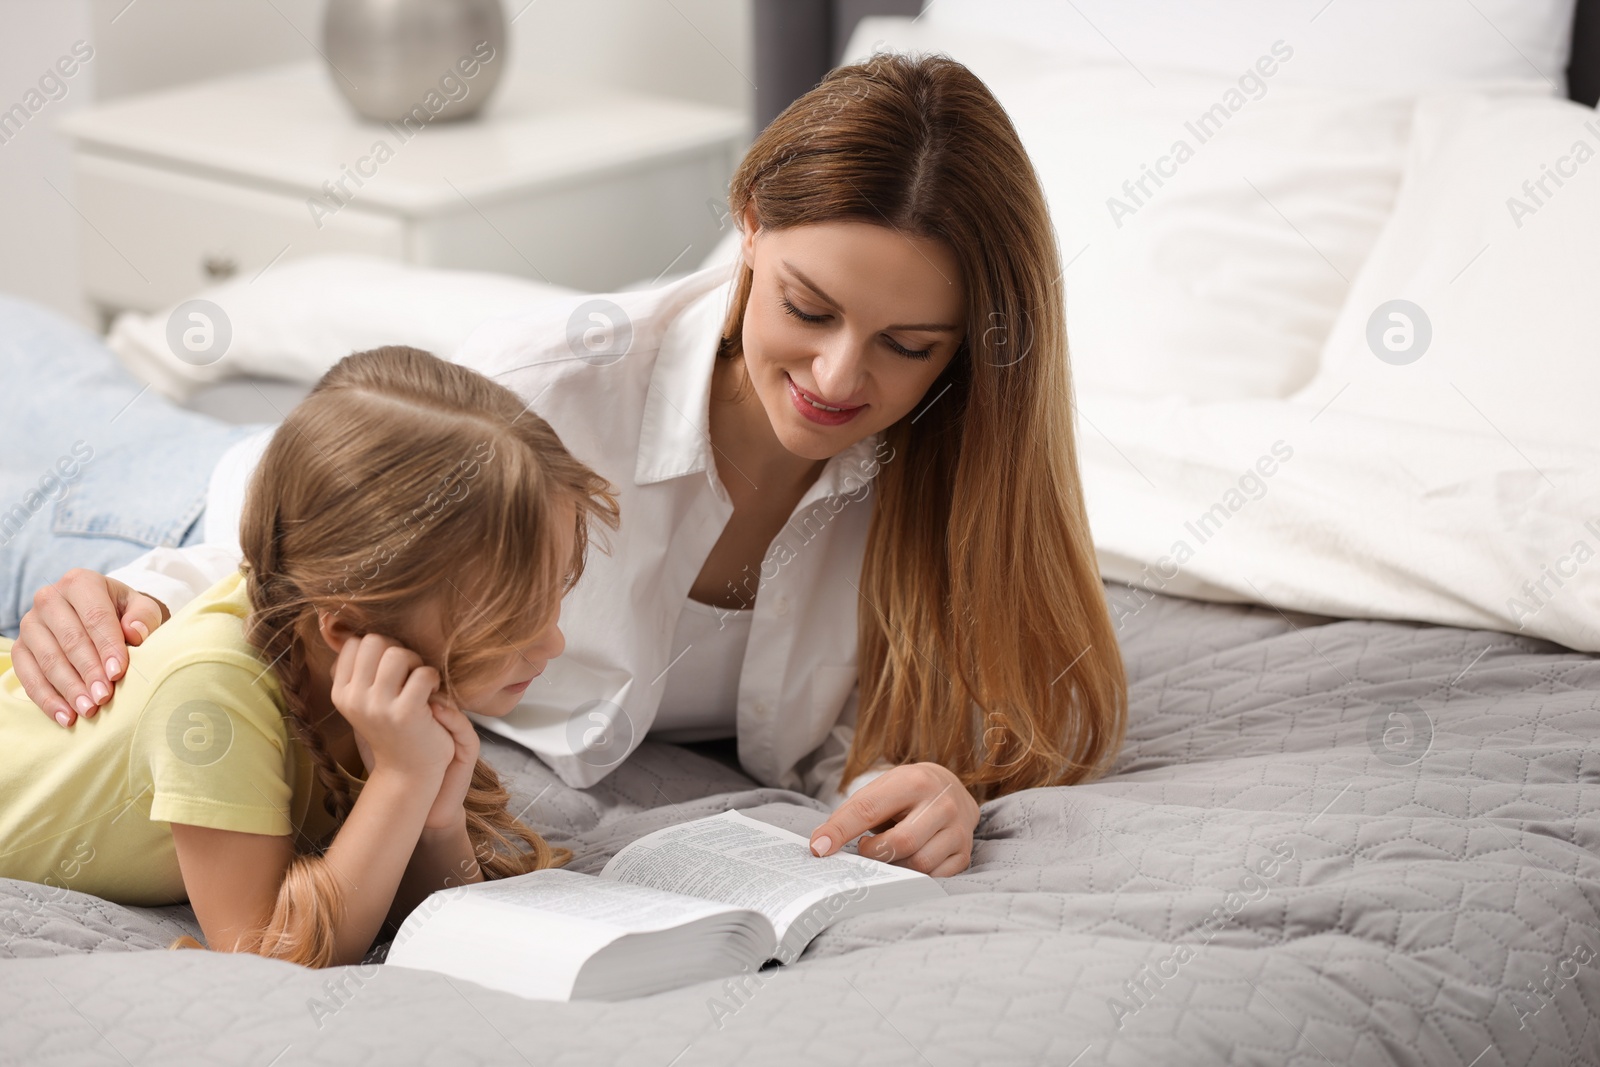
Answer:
(497, 692)
(850, 316)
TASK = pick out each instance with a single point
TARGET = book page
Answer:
(748, 864)
(582, 896)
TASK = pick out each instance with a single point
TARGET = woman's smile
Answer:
(828, 415)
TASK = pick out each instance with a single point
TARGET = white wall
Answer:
(697, 49)
(38, 228)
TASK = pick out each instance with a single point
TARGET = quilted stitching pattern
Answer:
(1326, 842)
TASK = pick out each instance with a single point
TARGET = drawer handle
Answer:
(219, 268)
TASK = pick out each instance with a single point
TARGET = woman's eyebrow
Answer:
(809, 284)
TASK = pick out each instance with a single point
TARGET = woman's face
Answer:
(846, 315)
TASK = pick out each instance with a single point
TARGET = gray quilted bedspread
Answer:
(1326, 842)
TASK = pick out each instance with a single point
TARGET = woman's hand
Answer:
(384, 691)
(73, 645)
(449, 811)
(920, 815)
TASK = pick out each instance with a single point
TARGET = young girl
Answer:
(289, 753)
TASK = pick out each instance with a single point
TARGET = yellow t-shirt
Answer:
(194, 734)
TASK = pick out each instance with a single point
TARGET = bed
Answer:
(1423, 798)
(1365, 835)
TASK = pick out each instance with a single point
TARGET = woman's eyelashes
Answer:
(921, 353)
(790, 309)
(797, 313)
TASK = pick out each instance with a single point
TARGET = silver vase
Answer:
(427, 59)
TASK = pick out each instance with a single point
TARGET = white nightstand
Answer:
(180, 189)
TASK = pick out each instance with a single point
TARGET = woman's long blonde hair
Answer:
(985, 641)
(403, 479)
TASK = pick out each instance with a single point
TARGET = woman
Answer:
(894, 333)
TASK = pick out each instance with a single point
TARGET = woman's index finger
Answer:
(878, 804)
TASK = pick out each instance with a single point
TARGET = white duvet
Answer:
(1359, 517)
(1453, 478)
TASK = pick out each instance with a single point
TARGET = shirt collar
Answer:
(847, 472)
(675, 434)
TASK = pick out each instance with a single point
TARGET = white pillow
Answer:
(1504, 274)
(1220, 280)
(1386, 45)
(1223, 281)
(303, 315)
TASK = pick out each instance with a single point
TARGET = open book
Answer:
(704, 899)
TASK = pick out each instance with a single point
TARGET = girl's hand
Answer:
(449, 811)
(383, 690)
(365, 751)
(921, 816)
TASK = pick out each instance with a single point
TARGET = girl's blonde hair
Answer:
(396, 470)
(985, 641)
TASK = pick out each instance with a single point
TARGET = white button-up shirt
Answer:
(636, 408)
(643, 422)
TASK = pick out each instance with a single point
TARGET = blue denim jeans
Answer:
(94, 467)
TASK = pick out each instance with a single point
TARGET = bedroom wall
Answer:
(696, 49)
(38, 253)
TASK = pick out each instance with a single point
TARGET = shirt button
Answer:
(761, 707)
(783, 606)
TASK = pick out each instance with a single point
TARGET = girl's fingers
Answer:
(394, 667)
(459, 725)
(344, 667)
(369, 651)
(420, 686)
(451, 718)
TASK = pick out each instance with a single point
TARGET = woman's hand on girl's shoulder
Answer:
(383, 689)
(919, 814)
(72, 647)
